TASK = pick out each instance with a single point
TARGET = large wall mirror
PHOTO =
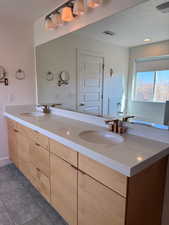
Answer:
(115, 66)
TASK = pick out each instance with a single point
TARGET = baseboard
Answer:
(4, 161)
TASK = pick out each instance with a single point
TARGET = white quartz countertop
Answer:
(128, 158)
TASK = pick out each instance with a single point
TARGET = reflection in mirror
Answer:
(119, 65)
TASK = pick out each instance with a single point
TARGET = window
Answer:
(152, 86)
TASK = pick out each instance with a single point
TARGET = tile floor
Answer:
(21, 204)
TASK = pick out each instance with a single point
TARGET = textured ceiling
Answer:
(132, 26)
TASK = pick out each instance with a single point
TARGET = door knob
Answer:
(81, 104)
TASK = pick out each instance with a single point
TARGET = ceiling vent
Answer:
(109, 32)
(164, 7)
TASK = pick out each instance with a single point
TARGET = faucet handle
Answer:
(113, 124)
(109, 121)
(126, 118)
(45, 107)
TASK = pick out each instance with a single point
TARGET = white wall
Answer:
(61, 54)
(109, 8)
(16, 51)
(148, 111)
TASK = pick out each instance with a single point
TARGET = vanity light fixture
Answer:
(79, 8)
(147, 39)
(56, 19)
(67, 15)
(49, 25)
(139, 158)
(68, 11)
(94, 3)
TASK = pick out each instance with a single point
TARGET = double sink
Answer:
(92, 136)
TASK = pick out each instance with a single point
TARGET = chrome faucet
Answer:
(117, 125)
(45, 108)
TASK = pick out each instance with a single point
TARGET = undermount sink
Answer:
(32, 114)
(101, 137)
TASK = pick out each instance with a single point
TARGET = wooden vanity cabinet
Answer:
(29, 150)
(136, 200)
(82, 190)
(101, 194)
(145, 195)
(64, 189)
(12, 143)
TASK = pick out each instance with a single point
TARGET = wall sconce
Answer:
(111, 72)
(94, 3)
(3, 78)
(49, 25)
(68, 11)
(63, 78)
(57, 20)
(20, 74)
(79, 8)
(67, 15)
(49, 76)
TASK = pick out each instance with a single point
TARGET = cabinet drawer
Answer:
(97, 204)
(40, 181)
(105, 175)
(25, 131)
(40, 158)
(34, 135)
(41, 139)
(25, 168)
(11, 124)
(63, 152)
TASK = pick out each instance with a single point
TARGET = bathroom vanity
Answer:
(90, 183)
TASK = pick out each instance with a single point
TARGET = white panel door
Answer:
(90, 83)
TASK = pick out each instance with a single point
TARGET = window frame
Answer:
(154, 87)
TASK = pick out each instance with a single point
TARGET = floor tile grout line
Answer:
(18, 177)
(36, 218)
(13, 223)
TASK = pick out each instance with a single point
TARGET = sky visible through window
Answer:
(152, 86)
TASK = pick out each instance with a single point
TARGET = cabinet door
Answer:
(98, 204)
(64, 189)
(107, 176)
(12, 142)
(23, 149)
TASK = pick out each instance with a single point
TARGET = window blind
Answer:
(152, 64)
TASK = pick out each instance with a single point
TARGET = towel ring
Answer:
(2, 73)
(20, 74)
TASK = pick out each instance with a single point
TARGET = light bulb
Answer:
(67, 15)
(79, 8)
(147, 40)
(94, 3)
(56, 19)
(49, 25)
